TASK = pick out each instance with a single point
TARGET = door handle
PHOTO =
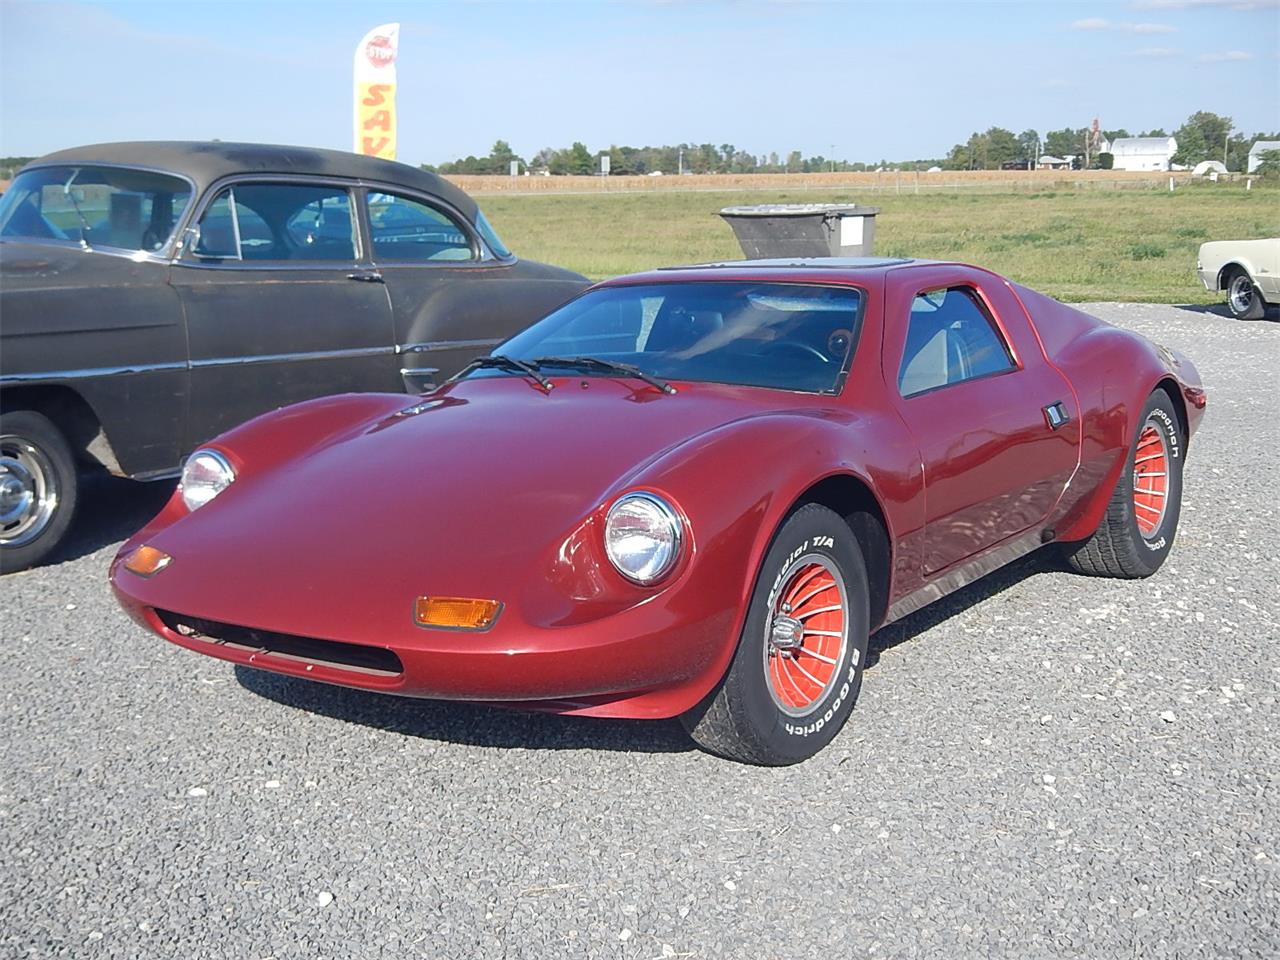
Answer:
(1056, 414)
(366, 276)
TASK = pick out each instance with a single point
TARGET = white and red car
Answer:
(1248, 270)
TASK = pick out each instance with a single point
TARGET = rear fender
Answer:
(1114, 372)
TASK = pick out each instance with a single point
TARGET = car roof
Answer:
(207, 161)
(851, 270)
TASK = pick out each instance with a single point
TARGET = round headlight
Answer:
(642, 537)
(205, 475)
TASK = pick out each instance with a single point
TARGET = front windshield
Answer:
(782, 335)
(114, 207)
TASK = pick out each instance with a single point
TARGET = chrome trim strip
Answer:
(12, 378)
(90, 372)
(966, 573)
(289, 357)
(430, 345)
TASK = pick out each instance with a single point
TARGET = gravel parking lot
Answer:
(1044, 765)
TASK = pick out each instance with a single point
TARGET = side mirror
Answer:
(419, 379)
(190, 240)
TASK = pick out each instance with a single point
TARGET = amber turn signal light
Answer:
(147, 561)
(456, 613)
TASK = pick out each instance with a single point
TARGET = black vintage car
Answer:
(154, 294)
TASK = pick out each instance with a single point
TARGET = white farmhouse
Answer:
(1143, 153)
(1257, 150)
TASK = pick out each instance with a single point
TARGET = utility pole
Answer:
(681, 167)
(833, 158)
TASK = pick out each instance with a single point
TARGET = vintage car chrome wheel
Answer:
(1242, 297)
(37, 488)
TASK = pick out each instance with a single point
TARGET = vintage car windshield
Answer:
(104, 207)
(781, 335)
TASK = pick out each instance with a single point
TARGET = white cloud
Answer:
(1233, 56)
(1098, 23)
(1191, 4)
(1156, 52)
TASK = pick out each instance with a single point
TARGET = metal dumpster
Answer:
(773, 230)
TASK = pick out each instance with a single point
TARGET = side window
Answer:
(410, 230)
(950, 339)
(278, 222)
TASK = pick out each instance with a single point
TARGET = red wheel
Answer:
(1150, 479)
(798, 668)
(806, 635)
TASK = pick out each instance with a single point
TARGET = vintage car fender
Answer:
(733, 525)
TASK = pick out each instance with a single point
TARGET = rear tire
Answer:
(1137, 532)
(1243, 299)
(798, 667)
(38, 488)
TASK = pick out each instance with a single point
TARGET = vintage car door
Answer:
(281, 305)
(453, 297)
(996, 424)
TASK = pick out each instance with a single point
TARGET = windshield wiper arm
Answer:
(85, 229)
(500, 361)
(607, 366)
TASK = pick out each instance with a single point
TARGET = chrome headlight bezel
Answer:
(196, 490)
(666, 521)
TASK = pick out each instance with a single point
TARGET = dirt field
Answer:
(889, 181)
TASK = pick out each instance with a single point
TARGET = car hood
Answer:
(474, 494)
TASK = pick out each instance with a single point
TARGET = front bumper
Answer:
(642, 663)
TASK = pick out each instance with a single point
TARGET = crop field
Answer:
(1076, 242)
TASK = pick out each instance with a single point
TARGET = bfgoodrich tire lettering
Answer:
(1137, 532)
(779, 703)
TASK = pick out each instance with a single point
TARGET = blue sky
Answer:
(876, 80)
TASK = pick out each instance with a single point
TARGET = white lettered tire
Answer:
(798, 667)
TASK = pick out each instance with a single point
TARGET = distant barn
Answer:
(1143, 153)
(1258, 149)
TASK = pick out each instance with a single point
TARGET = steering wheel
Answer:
(796, 348)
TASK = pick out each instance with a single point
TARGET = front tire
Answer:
(1137, 532)
(1243, 299)
(38, 488)
(798, 668)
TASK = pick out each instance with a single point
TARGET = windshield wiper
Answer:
(607, 366)
(499, 361)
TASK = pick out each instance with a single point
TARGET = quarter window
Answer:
(278, 222)
(950, 339)
(410, 230)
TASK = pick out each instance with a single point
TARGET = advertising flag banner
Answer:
(375, 93)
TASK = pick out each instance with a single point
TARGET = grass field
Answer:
(1074, 244)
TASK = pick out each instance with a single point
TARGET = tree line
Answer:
(1204, 136)
(641, 161)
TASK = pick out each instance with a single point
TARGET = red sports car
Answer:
(693, 492)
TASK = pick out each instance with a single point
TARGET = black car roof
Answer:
(207, 161)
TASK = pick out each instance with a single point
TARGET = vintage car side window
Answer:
(409, 230)
(101, 207)
(950, 339)
(278, 222)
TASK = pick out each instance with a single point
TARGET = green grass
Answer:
(1082, 244)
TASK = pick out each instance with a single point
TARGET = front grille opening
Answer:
(356, 657)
